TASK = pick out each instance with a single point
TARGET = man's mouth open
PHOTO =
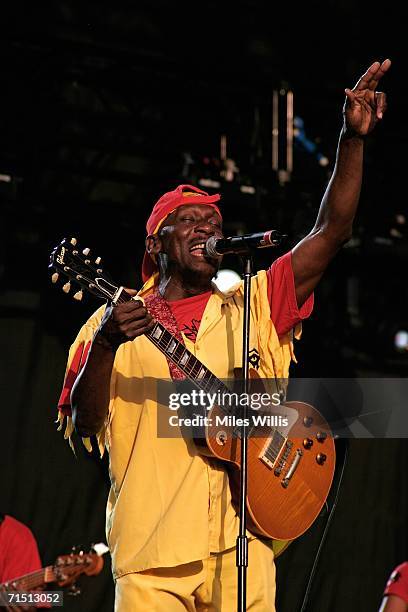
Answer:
(198, 250)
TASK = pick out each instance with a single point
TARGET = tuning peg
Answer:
(78, 295)
(54, 277)
(76, 549)
(86, 251)
(67, 287)
(73, 590)
(73, 241)
(98, 261)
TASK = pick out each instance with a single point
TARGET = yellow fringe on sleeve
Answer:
(85, 335)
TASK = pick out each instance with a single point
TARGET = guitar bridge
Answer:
(292, 468)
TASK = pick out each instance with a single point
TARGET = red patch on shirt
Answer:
(78, 362)
(189, 312)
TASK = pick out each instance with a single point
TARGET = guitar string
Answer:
(30, 580)
(215, 382)
(195, 361)
(37, 578)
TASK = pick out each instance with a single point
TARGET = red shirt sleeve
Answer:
(77, 363)
(18, 550)
(398, 582)
(285, 313)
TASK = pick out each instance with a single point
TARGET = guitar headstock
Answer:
(67, 568)
(70, 261)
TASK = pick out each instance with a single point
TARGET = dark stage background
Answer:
(105, 106)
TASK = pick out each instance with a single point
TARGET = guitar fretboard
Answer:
(32, 580)
(188, 363)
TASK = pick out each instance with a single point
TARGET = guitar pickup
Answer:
(273, 449)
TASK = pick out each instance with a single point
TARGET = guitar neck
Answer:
(33, 580)
(67, 260)
(174, 350)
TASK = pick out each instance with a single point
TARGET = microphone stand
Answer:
(275, 239)
(242, 540)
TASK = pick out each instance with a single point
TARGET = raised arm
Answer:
(91, 392)
(393, 603)
(363, 108)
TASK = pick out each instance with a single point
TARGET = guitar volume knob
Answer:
(307, 443)
(321, 458)
(321, 436)
(307, 421)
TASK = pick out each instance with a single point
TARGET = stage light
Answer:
(247, 189)
(392, 342)
(401, 341)
(304, 143)
(210, 183)
(323, 160)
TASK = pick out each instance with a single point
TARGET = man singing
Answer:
(171, 526)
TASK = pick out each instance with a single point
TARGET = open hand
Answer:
(364, 106)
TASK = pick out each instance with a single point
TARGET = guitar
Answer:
(63, 572)
(290, 467)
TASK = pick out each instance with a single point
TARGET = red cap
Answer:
(182, 195)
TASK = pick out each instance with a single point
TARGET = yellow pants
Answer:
(201, 586)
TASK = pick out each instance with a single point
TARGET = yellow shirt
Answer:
(167, 504)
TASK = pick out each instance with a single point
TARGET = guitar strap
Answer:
(160, 310)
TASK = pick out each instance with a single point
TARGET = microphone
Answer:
(215, 247)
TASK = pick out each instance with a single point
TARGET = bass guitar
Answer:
(64, 572)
